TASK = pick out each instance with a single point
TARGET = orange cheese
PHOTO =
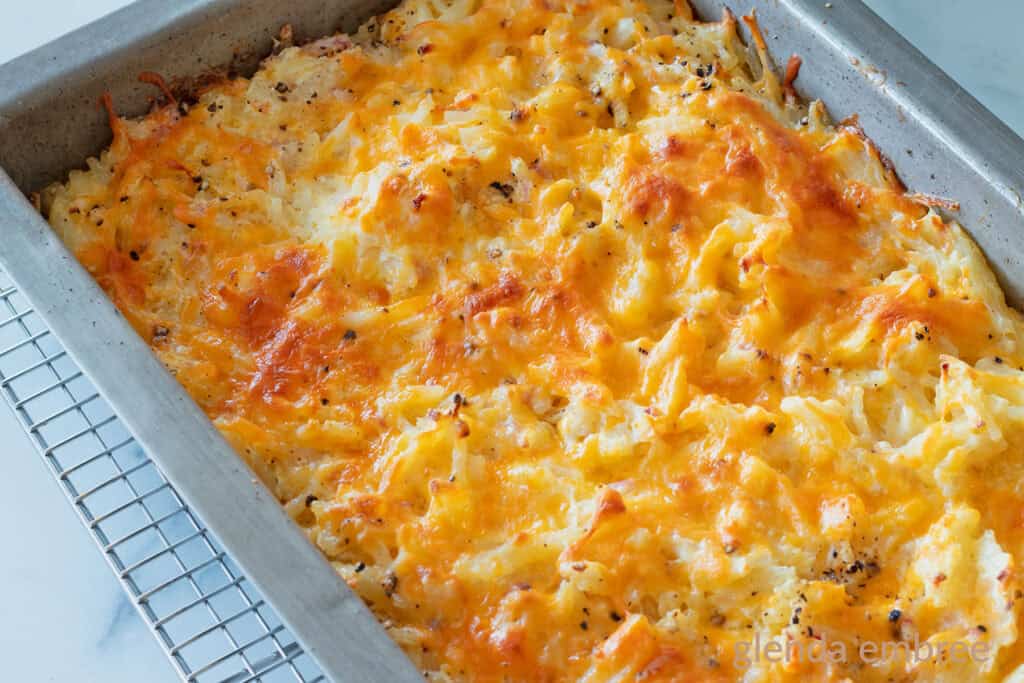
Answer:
(581, 349)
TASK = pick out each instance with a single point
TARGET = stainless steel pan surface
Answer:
(941, 141)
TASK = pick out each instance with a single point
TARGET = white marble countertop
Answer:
(63, 616)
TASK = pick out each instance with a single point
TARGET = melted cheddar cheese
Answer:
(580, 347)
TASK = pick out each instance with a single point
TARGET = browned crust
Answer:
(156, 79)
(852, 124)
(755, 30)
(792, 72)
(107, 102)
(508, 288)
(934, 201)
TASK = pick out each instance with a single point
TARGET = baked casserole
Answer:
(582, 347)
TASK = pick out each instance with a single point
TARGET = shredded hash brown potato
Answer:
(580, 346)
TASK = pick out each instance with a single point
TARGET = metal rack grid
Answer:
(210, 620)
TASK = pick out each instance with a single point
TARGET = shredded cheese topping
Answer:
(580, 347)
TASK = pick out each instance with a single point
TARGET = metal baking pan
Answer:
(941, 141)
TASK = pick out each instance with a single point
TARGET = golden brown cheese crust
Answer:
(580, 350)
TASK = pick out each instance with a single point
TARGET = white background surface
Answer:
(63, 616)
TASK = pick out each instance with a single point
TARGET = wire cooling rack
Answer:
(210, 620)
